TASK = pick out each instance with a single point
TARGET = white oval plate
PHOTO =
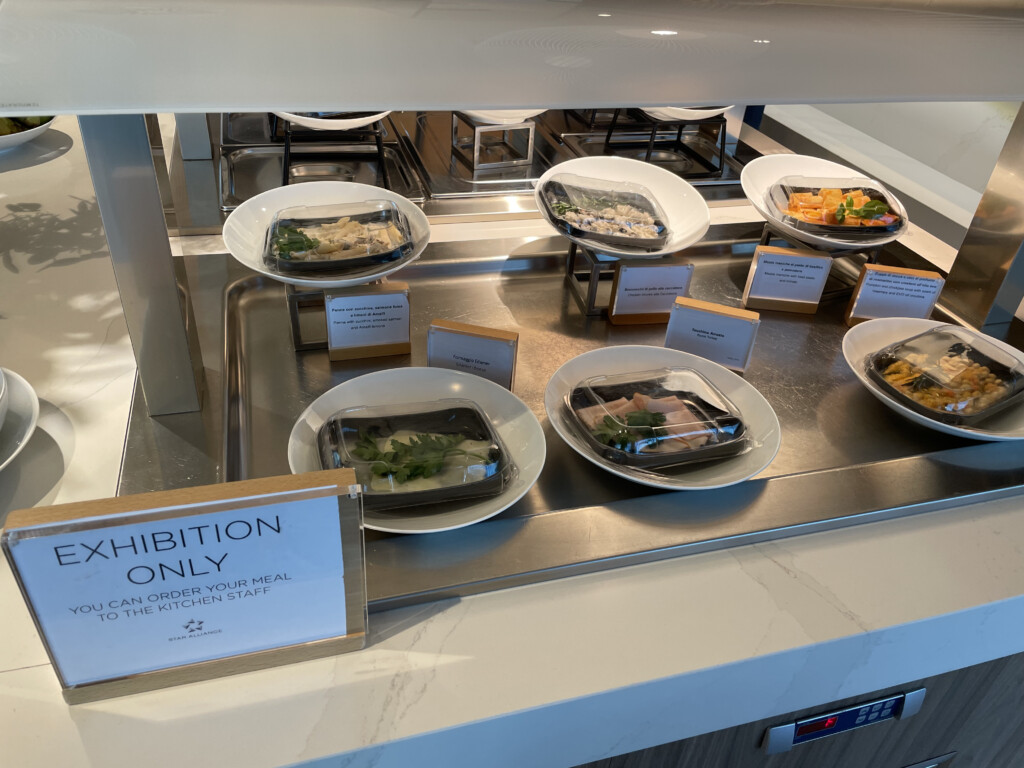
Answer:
(759, 417)
(759, 175)
(501, 116)
(330, 124)
(512, 418)
(245, 229)
(22, 415)
(12, 140)
(687, 215)
(868, 337)
(684, 113)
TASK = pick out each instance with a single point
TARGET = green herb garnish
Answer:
(423, 456)
(561, 208)
(291, 240)
(640, 425)
(872, 209)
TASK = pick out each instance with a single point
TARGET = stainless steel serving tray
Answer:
(845, 457)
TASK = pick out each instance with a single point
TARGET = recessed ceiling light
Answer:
(663, 32)
(604, 15)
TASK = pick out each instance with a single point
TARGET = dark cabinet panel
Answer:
(976, 712)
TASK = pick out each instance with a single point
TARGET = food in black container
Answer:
(656, 419)
(417, 454)
(951, 374)
(849, 207)
(337, 238)
(616, 213)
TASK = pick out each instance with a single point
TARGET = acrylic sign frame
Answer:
(125, 511)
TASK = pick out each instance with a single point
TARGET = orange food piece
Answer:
(821, 208)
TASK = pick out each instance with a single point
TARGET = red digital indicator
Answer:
(816, 726)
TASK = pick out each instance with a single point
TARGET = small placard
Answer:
(368, 321)
(486, 352)
(786, 279)
(644, 293)
(147, 591)
(893, 292)
(722, 334)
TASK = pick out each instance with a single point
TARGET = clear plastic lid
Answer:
(658, 418)
(951, 374)
(417, 453)
(852, 207)
(609, 212)
(337, 238)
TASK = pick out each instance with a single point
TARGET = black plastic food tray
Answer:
(554, 192)
(877, 364)
(730, 431)
(450, 421)
(339, 266)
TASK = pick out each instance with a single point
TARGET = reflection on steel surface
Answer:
(986, 282)
(844, 458)
(118, 150)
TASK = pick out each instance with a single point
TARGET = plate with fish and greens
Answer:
(662, 418)
(460, 451)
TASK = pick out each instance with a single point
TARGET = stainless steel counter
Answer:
(845, 458)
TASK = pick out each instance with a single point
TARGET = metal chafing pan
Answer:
(844, 457)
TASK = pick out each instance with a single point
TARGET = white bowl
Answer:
(760, 174)
(5, 397)
(501, 116)
(685, 113)
(13, 140)
(330, 124)
(869, 337)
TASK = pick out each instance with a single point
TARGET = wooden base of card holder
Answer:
(377, 350)
(781, 305)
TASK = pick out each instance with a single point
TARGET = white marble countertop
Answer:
(61, 324)
(561, 673)
(553, 674)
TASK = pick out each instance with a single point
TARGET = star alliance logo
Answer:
(194, 627)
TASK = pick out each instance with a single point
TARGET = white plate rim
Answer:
(756, 188)
(888, 330)
(12, 140)
(529, 455)
(626, 169)
(621, 361)
(304, 194)
(24, 403)
(502, 116)
(327, 124)
(684, 113)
